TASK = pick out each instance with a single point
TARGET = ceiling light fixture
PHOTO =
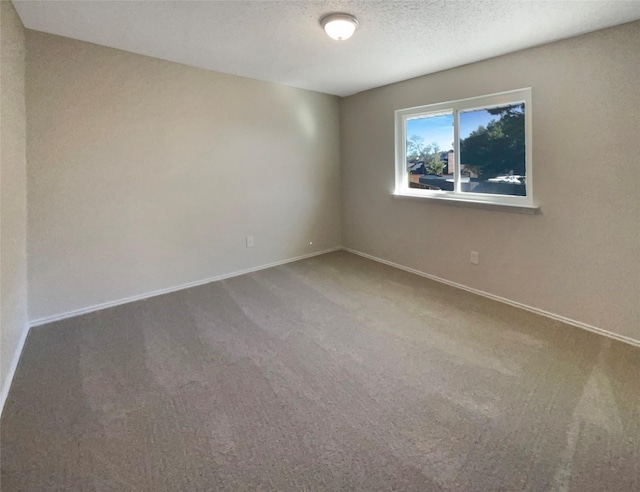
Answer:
(339, 26)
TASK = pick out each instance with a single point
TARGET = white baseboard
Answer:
(96, 307)
(125, 300)
(6, 386)
(532, 309)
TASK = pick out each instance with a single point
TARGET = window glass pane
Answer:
(492, 150)
(429, 147)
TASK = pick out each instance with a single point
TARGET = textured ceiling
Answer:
(282, 41)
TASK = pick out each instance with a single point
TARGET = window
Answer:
(473, 150)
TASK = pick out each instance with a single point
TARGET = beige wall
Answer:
(13, 215)
(145, 174)
(581, 257)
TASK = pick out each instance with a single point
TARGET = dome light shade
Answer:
(339, 26)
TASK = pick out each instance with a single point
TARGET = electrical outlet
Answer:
(250, 242)
(475, 257)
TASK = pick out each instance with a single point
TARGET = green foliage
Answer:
(434, 164)
(500, 147)
(417, 151)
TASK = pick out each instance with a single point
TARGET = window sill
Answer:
(458, 202)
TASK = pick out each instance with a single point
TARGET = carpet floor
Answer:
(331, 373)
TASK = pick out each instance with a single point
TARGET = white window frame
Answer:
(402, 188)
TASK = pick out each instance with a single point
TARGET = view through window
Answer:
(490, 135)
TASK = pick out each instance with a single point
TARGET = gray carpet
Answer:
(332, 373)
